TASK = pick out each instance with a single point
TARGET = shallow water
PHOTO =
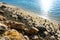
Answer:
(49, 9)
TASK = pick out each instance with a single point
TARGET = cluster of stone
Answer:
(17, 24)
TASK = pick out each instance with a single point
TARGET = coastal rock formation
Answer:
(17, 24)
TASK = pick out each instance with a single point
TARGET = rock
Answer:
(52, 37)
(14, 35)
(1, 12)
(32, 30)
(5, 38)
(2, 18)
(46, 33)
(34, 37)
(3, 28)
(26, 37)
(42, 31)
(16, 25)
(2, 6)
(14, 16)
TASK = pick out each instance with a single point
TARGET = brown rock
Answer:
(2, 18)
(16, 25)
(33, 30)
(14, 35)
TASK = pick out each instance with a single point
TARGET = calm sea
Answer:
(46, 8)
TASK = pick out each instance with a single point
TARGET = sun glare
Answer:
(45, 5)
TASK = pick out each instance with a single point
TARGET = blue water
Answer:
(27, 4)
(36, 6)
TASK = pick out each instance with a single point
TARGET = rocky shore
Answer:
(17, 24)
